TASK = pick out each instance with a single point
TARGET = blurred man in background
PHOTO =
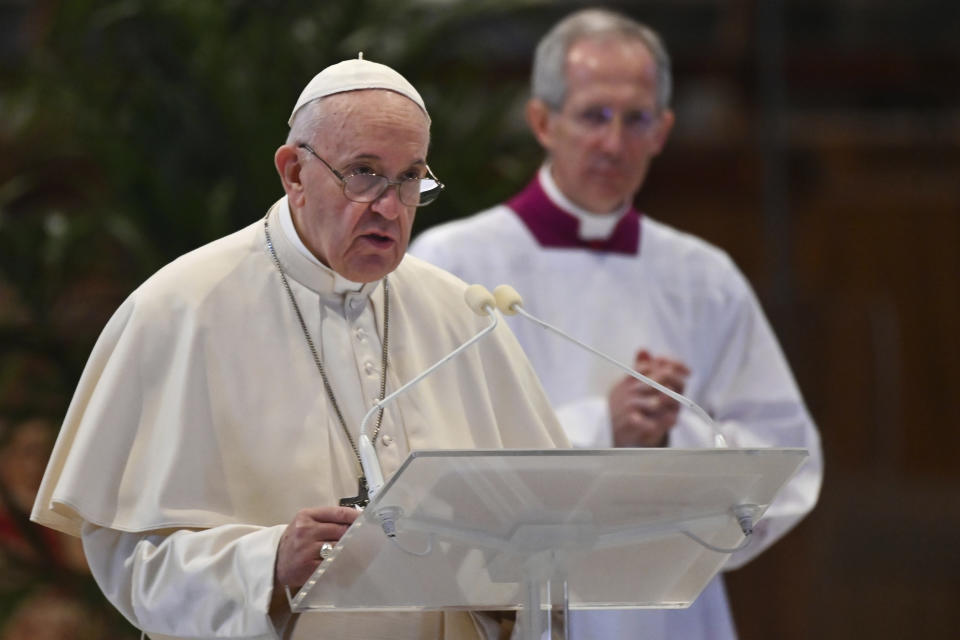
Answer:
(676, 307)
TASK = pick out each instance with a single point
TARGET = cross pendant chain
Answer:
(362, 499)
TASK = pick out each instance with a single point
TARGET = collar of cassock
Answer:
(303, 266)
(558, 223)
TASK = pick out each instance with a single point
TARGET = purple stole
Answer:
(555, 228)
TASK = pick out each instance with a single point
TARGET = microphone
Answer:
(482, 303)
(510, 303)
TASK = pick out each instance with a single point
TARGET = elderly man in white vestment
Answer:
(677, 308)
(213, 431)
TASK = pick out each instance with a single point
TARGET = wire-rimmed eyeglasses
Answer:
(367, 187)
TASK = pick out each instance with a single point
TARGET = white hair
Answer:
(549, 79)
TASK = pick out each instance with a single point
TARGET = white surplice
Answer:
(676, 296)
(200, 426)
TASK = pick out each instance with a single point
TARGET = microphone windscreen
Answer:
(478, 299)
(507, 299)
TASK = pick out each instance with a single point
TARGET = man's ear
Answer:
(538, 117)
(287, 161)
(662, 132)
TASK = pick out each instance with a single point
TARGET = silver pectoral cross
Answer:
(359, 501)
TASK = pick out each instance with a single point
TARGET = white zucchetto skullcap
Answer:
(353, 75)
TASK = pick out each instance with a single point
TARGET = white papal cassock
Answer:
(200, 426)
(634, 283)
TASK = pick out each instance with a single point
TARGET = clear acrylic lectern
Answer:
(554, 529)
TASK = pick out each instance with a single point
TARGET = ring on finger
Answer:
(325, 550)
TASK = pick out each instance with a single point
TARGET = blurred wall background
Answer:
(818, 142)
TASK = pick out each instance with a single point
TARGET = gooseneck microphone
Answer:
(510, 303)
(483, 304)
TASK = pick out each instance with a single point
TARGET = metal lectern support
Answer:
(533, 618)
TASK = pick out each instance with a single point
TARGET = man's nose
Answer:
(611, 137)
(388, 204)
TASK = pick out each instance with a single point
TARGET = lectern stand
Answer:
(536, 531)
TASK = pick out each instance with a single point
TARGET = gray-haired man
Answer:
(584, 259)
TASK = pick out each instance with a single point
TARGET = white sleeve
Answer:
(189, 584)
(749, 390)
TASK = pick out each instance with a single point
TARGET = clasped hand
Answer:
(641, 415)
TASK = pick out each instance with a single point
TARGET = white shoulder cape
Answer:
(201, 405)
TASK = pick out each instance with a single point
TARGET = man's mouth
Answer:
(378, 239)
(607, 169)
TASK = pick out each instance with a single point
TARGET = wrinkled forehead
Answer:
(374, 119)
(615, 65)
(610, 58)
(372, 103)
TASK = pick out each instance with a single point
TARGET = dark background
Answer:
(817, 141)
